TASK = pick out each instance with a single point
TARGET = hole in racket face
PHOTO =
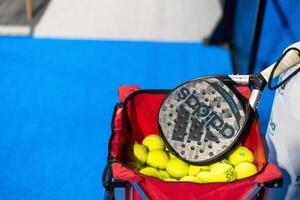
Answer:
(201, 120)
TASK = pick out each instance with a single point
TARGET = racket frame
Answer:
(230, 81)
(257, 82)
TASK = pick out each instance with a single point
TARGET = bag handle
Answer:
(125, 91)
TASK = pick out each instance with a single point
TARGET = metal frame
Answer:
(256, 37)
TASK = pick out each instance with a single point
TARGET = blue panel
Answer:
(280, 29)
(57, 98)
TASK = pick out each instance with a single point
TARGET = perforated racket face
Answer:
(201, 119)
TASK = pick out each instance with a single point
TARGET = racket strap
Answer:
(275, 67)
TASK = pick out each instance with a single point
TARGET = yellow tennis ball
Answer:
(157, 159)
(194, 170)
(170, 180)
(222, 161)
(223, 172)
(204, 168)
(140, 152)
(204, 176)
(245, 169)
(241, 154)
(177, 168)
(169, 153)
(136, 152)
(154, 142)
(221, 166)
(163, 174)
(192, 179)
(172, 155)
(149, 171)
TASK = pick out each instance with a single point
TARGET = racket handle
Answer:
(291, 59)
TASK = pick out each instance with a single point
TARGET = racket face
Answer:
(202, 119)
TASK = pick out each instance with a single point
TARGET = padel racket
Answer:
(203, 119)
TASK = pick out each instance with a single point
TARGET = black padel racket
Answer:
(203, 119)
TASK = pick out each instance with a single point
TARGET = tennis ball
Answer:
(194, 170)
(172, 155)
(245, 169)
(223, 172)
(177, 168)
(241, 154)
(192, 179)
(154, 142)
(149, 171)
(169, 153)
(140, 152)
(170, 180)
(157, 159)
(163, 174)
(222, 161)
(204, 176)
(137, 152)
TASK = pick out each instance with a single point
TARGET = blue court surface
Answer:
(57, 98)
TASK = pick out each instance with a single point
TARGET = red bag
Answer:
(135, 117)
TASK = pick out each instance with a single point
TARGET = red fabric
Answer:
(140, 112)
(119, 139)
(270, 172)
(245, 91)
(157, 189)
(254, 142)
(125, 91)
(121, 172)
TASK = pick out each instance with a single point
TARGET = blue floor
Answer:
(57, 98)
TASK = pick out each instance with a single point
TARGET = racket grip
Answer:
(291, 59)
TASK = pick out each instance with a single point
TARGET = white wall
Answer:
(166, 20)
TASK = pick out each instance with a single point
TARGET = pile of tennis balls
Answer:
(152, 158)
